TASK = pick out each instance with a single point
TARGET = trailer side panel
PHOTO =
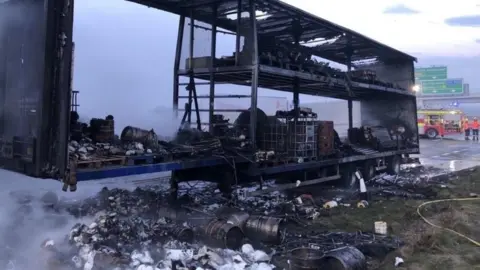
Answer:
(35, 54)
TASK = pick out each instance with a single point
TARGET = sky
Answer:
(125, 51)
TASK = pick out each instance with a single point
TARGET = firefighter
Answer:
(475, 126)
(466, 129)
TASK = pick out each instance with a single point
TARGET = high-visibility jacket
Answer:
(475, 124)
(466, 125)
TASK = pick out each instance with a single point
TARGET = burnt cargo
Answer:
(35, 57)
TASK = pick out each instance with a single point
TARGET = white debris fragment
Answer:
(90, 260)
(247, 249)
(398, 261)
(261, 266)
(260, 256)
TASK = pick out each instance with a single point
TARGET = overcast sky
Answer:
(126, 51)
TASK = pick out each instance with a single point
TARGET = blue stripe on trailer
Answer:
(106, 172)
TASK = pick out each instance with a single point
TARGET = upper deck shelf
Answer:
(285, 43)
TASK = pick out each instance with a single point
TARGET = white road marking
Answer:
(435, 156)
(445, 154)
(458, 151)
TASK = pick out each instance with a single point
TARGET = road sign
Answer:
(431, 73)
(442, 87)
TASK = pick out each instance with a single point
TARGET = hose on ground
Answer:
(443, 228)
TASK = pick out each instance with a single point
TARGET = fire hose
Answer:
(443, 228)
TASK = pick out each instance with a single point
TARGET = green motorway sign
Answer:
(430, 73)
(438, 87)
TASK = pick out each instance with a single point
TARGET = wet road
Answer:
(452, 155)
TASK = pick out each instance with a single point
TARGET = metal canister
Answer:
(264, 229)
(345, 258)
(305, 258)
(220, 233)
(134, 134)
(181, 233)
(238, 219)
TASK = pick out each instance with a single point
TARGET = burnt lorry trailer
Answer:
(275, 46)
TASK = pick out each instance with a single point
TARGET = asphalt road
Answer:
(451, 155)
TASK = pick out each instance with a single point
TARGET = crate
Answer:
(100, 162)
(302, 139)
(326, 138)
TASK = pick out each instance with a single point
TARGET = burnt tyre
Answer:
(348, 178)
(393, 165)
(431, 133)
(369, 170)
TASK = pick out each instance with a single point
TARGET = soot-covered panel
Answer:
(392, 113)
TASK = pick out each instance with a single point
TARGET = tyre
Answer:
(431, 133)
(368, 170)
(393, 165)
(348, 178)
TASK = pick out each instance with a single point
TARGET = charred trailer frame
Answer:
(36, 53)
(255, 23)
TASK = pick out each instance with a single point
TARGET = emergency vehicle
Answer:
(433, 123)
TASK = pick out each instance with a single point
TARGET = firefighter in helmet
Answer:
(475, 127)
(466, 129)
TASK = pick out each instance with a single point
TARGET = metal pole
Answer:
(237, 40)
(176, 66)
(349, 68)
(254, 51)
(213, 48)
(190, 65)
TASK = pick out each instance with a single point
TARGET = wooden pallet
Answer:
(146, 159)
(100, 162)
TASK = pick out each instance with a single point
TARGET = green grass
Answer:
(426, 247)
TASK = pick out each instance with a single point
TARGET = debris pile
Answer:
(136, 230)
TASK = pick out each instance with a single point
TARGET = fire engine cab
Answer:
(433, 123)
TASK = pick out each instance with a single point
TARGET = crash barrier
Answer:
(443, 228)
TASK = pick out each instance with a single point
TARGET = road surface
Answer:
(452, 155)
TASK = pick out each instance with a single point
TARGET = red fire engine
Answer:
(433, 123)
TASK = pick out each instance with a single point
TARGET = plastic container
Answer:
(380, 227)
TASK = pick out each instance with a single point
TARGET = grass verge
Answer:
(426, 247)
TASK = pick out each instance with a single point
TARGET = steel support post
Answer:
(213, 50)
(296, 100)
(349, 68)
(176, 66)
(190, 65)
(255, 70)
(237, 37)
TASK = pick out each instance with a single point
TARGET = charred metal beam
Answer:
(237, 38)
(213, 53)
(176, 65)
(255, 71)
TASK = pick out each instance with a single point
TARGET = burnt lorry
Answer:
(274, 46)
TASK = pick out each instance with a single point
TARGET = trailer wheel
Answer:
(431, 133)
(393, 165)
(369, 171)
(348, 178)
